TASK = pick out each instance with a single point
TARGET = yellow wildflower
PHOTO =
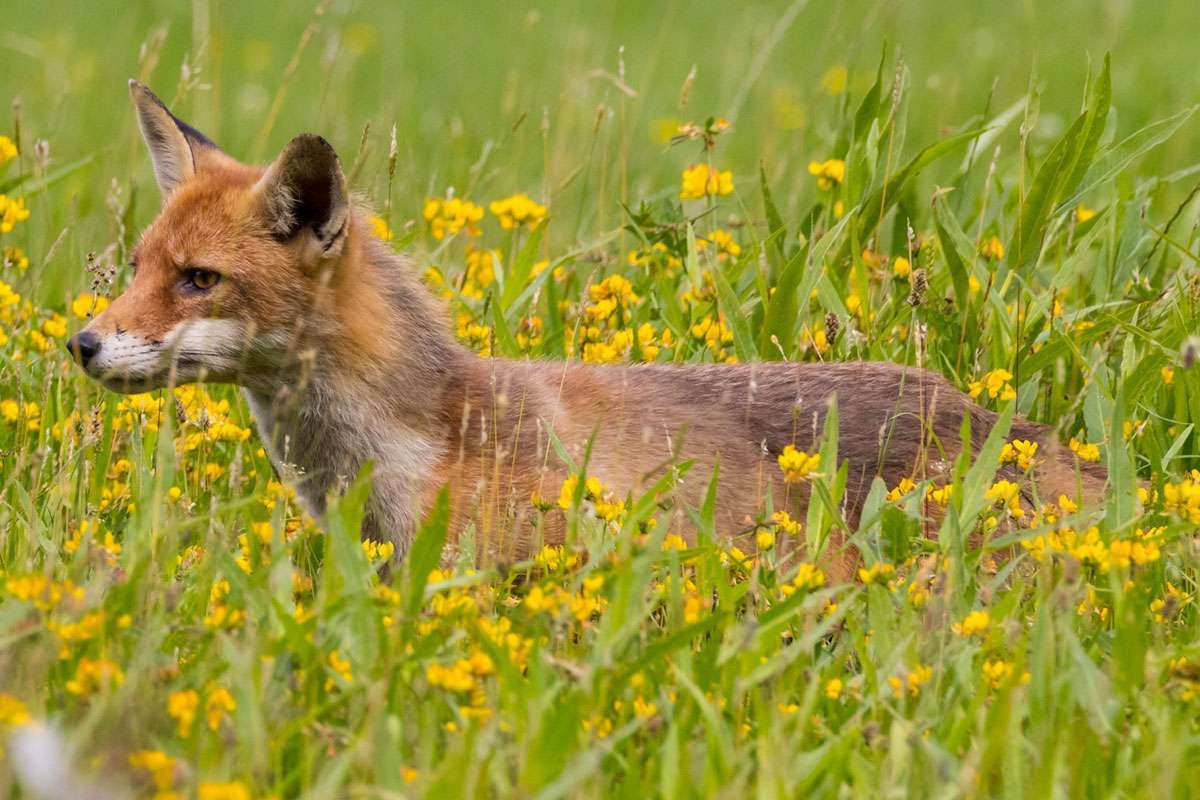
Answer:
(13, 257)
(160, 767)
(997, 672)
(1085, 452)
(181, 707)
(764, 538)
(783, 522)
(974, 624)
(700, 181)
(12, 712)
(828, 173)
(833, 688)
(92, 675)
(879, 572)
(995, 383)
(218, 703)
(447, 216)
(798, 465)
(517, 210)
(1019, 451)
(380, 228)
(88, 305)
(232, 790)
(991, 248)
(12, 211)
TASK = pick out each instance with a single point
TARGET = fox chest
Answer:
(320, 451)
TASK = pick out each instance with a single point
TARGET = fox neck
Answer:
(368, 387)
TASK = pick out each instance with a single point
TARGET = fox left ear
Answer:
(177, 150)
(305, 190)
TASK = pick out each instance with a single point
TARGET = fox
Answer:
(269, 278)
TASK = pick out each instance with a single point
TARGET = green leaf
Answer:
(517, 277)
(1038, 204)
(504, 338)
(957, 249)
(426, 552)
(780, 317)
(743, 341)
(776, 230)
(881, 200)
(1114, 159)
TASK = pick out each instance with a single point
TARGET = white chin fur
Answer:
(212, 348)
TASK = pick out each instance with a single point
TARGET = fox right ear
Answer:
(177, 150)
(305, 190)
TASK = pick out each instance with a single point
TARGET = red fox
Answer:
(269, 278)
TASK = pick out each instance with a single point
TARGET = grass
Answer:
(167, 611)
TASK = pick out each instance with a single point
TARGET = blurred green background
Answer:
(569, 101)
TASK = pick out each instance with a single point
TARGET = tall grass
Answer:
(167, 612)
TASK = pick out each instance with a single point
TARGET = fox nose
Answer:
(84, 346)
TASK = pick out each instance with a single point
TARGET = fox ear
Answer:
(177, 150)
(305, 190)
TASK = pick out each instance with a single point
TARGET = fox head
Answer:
(232, 269)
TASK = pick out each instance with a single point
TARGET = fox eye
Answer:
(202, 279)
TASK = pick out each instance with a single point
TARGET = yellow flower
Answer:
(341, 668)
(8, 150)
(1083, 213)
(447, 216)
(879, 572)
(700, 181)
(219, 703)
(833, 688)
(828, 173)
(232, 790)
(974, 624)
(13, 257)
(644, 709)
(991, 248)
(834, 80)
(1019, 451)
(12, 711)
(378, 551)
(159, 765)
(380, 228)
(1168, 375)
(673, 541)
(517, 210)
(92, 675)
(798, 465)
(995, 384)
(181, 707)
(727, 246)
(940, 494)
(902, 488)
(55, 327)
(901, 268)
(783, 522)
(1085, 452)
(764, 538)
(88, 305)
(12, 211)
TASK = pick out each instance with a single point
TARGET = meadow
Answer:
(1003, 193)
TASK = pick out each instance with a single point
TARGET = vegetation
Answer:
(179, 629)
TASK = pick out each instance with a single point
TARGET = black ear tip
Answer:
(311, 145)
